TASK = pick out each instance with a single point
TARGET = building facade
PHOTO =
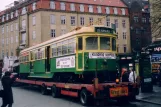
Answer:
(140, 26)
(155, 19)
(31, 22)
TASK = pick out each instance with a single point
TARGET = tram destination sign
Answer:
(103, 30)
(97, 55)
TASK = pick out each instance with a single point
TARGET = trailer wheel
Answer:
(84, 98)
(43, 89)
(55, 92)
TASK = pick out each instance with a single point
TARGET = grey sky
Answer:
(5, 3)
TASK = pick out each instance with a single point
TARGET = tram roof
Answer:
(79, 30)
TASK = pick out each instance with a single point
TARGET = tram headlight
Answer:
(117, 81)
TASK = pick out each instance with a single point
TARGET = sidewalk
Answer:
(154, 97)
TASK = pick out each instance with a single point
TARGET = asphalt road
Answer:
(26, 96)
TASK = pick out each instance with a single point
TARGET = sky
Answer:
(5, 3)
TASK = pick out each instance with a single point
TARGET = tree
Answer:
(156, 18)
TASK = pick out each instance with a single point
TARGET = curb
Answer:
(140, 100)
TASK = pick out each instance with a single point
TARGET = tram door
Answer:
(80, 53)
(48, 58)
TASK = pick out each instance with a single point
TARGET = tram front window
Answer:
(104, 43)
(113, 44)
(92, 43)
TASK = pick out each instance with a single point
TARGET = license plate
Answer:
(118, 91)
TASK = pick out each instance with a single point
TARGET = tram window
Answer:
(54, 52)
(104, 43)
(65, 49)
(71, 48)
(92, 43)
(80, 43)
(32, 56)
(59, 50)
(114, 44)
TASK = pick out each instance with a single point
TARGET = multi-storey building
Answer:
(31, 22)
(140, 26)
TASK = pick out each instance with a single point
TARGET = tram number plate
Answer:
(118, 91)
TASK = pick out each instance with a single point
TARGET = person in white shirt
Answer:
(132, 76)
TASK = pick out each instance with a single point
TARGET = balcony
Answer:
(23, 29)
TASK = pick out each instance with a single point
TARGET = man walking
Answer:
(7, 82)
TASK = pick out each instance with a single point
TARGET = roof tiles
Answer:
(115, 3)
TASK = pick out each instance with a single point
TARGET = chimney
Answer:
(15, 3)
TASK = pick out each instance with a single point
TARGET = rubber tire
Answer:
(55, 92)
(84, 98)
(43, 90)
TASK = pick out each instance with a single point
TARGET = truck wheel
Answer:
(84, 98)
(55, 92)
(43, 90)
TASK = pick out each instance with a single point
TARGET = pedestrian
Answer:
(132, 76)
(7, 82)
(125, 75)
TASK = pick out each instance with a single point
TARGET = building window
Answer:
(12, 15)
(62, 6)
(143, 20)
(33, 20)
(123, 11)
(125, 49)
(108, 22)
(2, 54)
(116, 23)
(6, 53)
(107, 10)
(52, 19)
(123, 23)
(7, 16)
(2, 29)
(90, 8)
(99, 9)
(11, 39)
(137, 31)
(53, 34)
(34, 6)
(23, 39)
(73, 20)
(63, 20)
(91, 20)
(52, 5)
(3, 17)
(136, 19)
(23, 23)
(124, 35)
(16, 39)
(7, 28)
(2, 42)
(72, 7)
(16, 26)
(33, 34)
(24, 10)
(82, 8)
(11, 53)
(11, 27)
(115, 11)
(82, 21)
(16, 13)
(63, 31)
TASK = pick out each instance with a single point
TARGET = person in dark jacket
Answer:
(125, 75)
(7, 82)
